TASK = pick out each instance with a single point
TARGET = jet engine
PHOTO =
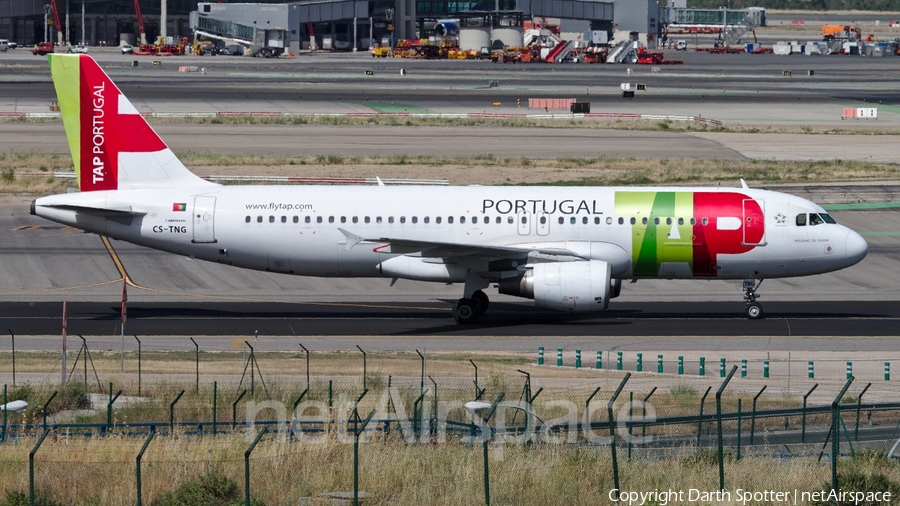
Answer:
(580, 286)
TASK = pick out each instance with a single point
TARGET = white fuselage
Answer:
(303, 230)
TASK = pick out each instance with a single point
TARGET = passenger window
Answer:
(621, 221)
(296, 219)
(331, 219)
(367, 219)
(510, 220)
(524, 220)
(390, 219)
(608, 220)
(284, 219)
(259, 219)
(693, 221)
(815, 219)
(271, 219)
(437, 219)
(307, 219)
(561, 220)
(633, 220)
(449, 219)
(403, 219)
(801, 220)
(355, 219)
(462, 219)
(584, 220)
(681, 221)
(668, 221)
(426, 219)
(656, 221)
(415, 219)
(378, 219)
(343, 219)
(543, 220)
(705, 221)
(318, 219)
(644, 220)
(828, 218)
(247, 220)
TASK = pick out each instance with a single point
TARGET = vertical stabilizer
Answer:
(113, 147)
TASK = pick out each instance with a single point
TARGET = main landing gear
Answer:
(754, 309)
(468, 310)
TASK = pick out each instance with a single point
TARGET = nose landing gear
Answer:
(754, 309)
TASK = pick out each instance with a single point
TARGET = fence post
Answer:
(485, 437)
(702, 366)
(137, 469)
(13, 336)
(738, 457)
(139, 364)
(858, 407)
(849, 370)
(196, 365)
(44, 409)
(700, 418)
(577, 359)
(234, 407)
(753, 414)
(109, 406)
(810, 370)
(247, 465)
(887, 371)
(559, 357)
(836, 433)
(640, 362)
(599, 360)
(172, 412)
(659, 364)
(765, 369)
(618, 360)
(359, 428)
(540, 355)
(587, 411)
(719, 423)
(803, 422)
(214, 410)
(680, 365)
(612, 427)
(31, 465)
(744, 368)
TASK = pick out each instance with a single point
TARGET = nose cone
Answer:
(857, 247)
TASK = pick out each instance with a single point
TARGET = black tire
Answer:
(464, 311)
(754, 311)
(481, 301)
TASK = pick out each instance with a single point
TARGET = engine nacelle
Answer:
(567, 286)
(422, 269)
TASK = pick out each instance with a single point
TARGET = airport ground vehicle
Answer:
(127, 49)
(567, 248)
(42, 48)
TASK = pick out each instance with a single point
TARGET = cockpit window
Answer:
(801, 220)
(828, 218)
(815, 219)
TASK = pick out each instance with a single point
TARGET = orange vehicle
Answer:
(840, 32)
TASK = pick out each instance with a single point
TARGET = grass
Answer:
(29, 172)
(100, 470)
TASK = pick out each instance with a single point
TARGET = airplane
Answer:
(567, 248)
(14, 406)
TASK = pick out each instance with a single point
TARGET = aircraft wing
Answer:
(437, 249)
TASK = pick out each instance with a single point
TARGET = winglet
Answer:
(744, 184)
(380, 182)
(352, 239)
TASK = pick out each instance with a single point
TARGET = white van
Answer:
(4, 45)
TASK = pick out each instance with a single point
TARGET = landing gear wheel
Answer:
(481, 301)
(465, 311)
(754, 311)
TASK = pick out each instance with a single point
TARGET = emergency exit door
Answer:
(204, 218)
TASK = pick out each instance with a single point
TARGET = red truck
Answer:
(42, 48)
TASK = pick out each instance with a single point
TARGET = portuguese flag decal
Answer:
(179, 207)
